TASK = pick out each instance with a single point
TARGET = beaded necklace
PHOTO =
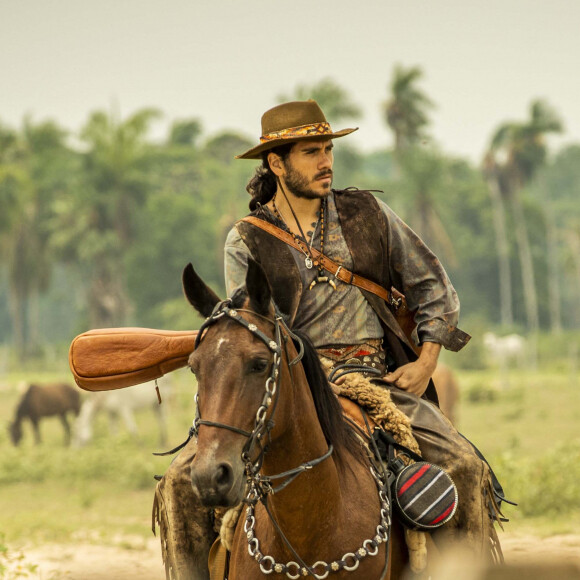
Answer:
(309, 262)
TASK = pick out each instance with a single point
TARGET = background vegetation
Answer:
(96, 227)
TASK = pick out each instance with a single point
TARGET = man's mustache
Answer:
(326, 173)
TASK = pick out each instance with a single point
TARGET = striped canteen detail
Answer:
(426, 495)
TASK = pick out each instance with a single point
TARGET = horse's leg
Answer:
(83, 428)
(186, 527)
(36, 429)
(113, 415)
(66, 427)
(398, 552)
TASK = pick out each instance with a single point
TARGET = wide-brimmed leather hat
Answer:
(290, 122)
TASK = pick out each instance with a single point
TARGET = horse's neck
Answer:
(303, 440)
(23, 410)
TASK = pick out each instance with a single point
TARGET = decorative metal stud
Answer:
(233, 313)
(252, 327)
(273, 346)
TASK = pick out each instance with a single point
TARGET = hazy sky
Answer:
(226, 61)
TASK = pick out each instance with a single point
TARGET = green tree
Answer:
(35, 165)
(421, 170)
(185, 132)
(96, 226)
(226, 145)
(517, 151)
(407, 109)
(197, 193)
(491, 175)
(557, 191)
(423, 185)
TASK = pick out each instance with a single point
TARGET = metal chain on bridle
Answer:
(261, 486)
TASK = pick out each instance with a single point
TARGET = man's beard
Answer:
(299, 185)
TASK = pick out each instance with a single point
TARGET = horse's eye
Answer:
(258, 365)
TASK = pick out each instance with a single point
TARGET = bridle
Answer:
(260, 486)
(262, 424)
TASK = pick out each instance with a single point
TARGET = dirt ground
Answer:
(138, 559)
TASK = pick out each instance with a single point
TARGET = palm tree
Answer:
(491, 176)
(422, 170)
(407, 110)
(516, 153)
(95, 227)
(31, 176)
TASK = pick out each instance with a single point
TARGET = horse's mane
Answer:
(336, 430)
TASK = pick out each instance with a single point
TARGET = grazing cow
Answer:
(45, 401)
(122, 404)
(447, 390)
(506, 349)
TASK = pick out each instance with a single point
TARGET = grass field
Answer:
(102, 493)
(530, 433)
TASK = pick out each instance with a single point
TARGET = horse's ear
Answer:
(258, 287)
(198, 293)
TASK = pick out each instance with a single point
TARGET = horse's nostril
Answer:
(223, 475)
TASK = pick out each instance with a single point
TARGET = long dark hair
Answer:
(263, 184)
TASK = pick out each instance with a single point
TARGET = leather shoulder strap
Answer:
(339, 272)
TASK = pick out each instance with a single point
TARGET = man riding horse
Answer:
(331, 258)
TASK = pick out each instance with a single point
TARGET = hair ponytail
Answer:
(262, 186)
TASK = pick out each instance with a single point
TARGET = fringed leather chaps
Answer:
(473, 524)
(185, 526)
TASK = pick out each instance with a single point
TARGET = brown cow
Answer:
(45, 401)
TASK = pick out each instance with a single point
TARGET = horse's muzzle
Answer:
(218, 484)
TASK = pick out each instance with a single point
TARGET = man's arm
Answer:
(236, 255)
(414, 377)
(417, 273)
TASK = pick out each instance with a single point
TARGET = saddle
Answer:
(354, 415)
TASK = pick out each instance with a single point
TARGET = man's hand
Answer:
(414, 377)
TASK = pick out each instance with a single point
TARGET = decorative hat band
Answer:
(302, 131)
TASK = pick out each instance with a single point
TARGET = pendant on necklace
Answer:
(308, 262)
(322, 280)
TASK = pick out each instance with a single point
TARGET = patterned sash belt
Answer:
(369, 354)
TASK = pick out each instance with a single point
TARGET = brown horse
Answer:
(447, 390)
(270, 432)
(41, 401)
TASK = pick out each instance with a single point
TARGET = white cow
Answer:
(506, 351)
(121, 404)
(510, 348)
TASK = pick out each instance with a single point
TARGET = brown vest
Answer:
(364, 228)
